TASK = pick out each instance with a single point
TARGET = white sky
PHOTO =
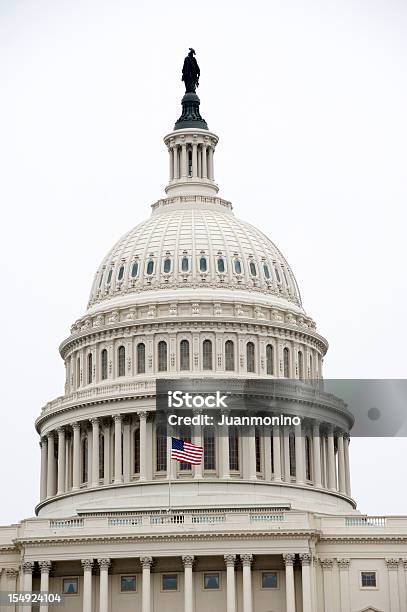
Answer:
(309, 100)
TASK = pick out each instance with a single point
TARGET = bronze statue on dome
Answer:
(190, 72)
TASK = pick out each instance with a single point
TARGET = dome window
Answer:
(185, 264)
(203, 266)
(134, 269)
(167, 266)
(277, 274)
(109, 276)
(253, 269)
(238, 266)
(221, 265)
(150, 267)
(121, 273)
(266, 271)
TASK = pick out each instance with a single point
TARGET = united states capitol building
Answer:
(267, 522)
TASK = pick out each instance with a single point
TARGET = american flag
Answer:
(186, 451)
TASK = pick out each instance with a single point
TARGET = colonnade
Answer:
(312, 454)
(191, 160)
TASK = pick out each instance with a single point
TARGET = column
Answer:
(276, 454)
(316, 455)
(87, 565)
(11, 576)
(197, 436)
(392, 568)
(51, 465)
(44, 468)
(175, 161)
(224, 450)
(146, 563)
(45, 567)
(27, 568)
(230, 561)
(305, 559)
(347, 465)
(170, 154)
(341, 465)
(210, 163)
(194, 160)
(251, 450)
(299, 455)
(106, 453)
(143, 444)
(331, 460)
(76, 456)
(188, 561)
(327, 581)
(184, 161)
(204, 164)
(171, 463)
(126, 449)
(266, 434)
(289, 581)
(286, 449)
(343, 565)
(117, 448)
(405, 578)
(104, 565)
(61, 460)
(247, 582)
(95, 452)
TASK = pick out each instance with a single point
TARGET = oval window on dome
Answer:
(253, 269)
(185, 264)
(203, 266)
(266, 271)
(167, 266)
(134, 269)
(221, 265)
(121, 273)
(150, 267)
(238, 266)
(109, 276)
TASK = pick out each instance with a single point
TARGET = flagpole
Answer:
(169, 492)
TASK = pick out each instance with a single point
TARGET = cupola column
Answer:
(76, 456)
(95, 452)
(143, 444)
(347, 466)
(51, 466)
(194, 160)
(341, 465)
(331, 460)
(61, 460)
(118, 478)
(44, 467)
(316, 441)
(204, 162)
(276, 454)
(210, 164)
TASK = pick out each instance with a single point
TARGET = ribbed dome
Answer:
(194, 242)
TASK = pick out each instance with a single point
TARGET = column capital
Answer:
(87, 564)
(142, 415)
(51, 435)
(43, 441)
(188, 560)
(60, 430)
(246, 559)
(146, 562)
(95, 421)
(392, 564)
(75, 426)
(117, 418)
(104, 564)
(230, 560)
(326, 564)
(305, 558)
(11, 572)
(27, 567)
(289, 558)
(45, 566)
(404, 561)
(343, 564)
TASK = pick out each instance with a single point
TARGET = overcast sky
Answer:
(309, 101)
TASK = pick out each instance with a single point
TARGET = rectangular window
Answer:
(209, 449)
(161, 451)
(368, 580)
(269, 580)
(128, 584)
(70, 586)
(169, 582)
(212, 581)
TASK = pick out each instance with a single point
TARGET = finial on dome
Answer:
(190, 116)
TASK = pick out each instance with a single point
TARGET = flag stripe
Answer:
(186, 452)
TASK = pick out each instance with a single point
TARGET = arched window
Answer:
(121, 360)
(286, 362)
(121, 273)
(167, 265)
(161, 449)
(137, 451)
(134, 269)
(186, 437)
(150, 267)
(277, 274)
(291, 446)
(300, 365)
(233, 449)
(109, 276)
(90, 368)
(141, 358)
(266, 271)
(84, 460)
(78, 372)
(229, 356)
(184, 355)
(203, 265)
(270, 359)
(103, 360)
(250, 357)
(209, 449)
(162, 356)
(101, 278)
(207, 354)
(253, 269)
(237, 266)
(221, 265)
(185, 264)
(307, 457)
(101, 456)
(257, 440)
